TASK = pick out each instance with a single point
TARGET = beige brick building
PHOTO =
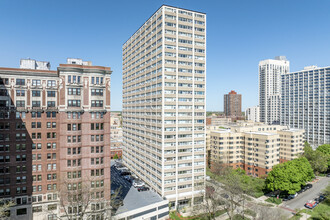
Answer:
(254, 147)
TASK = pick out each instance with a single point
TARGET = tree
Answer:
(289, 176)
(233, 190)
(4, 207)
(325, 149)
(115, 157)
(81, 200)
(318, 159)
(326, 192)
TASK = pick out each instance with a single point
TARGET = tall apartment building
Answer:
(252, 114)
(270, 88)
(54, 137)
(232, 104)
(164, 69)
(254, 147)
(306, 103)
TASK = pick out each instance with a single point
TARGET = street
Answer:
(301, 199)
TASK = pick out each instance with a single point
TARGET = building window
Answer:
(20, 103)
(35, 103)
(50, 103)
(19, 92)
(97, 92)
(74, 103)
(73, 91)
(21, 211)
(97, 103)
(36, 93)
(51, 83)
(20, 82)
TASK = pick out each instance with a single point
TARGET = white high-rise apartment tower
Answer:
(306, 103)
(164, 70)
(270, 88)
(252, 113)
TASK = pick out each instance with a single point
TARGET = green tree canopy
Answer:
(289, 176)
(325, 149)
(319, 159)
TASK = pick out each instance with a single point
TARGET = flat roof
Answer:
(135, 200)
(260, 133)
(222, 131)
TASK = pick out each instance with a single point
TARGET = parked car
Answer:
(127, 177)
(311, 204)
(143, 188)
(300, 191)
(321, 198)
(138, 184)
(309, 186)
(328, 175)
(125, 173)
(292, 196)
(286, 198)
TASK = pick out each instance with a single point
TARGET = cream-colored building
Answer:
(254, 147)
(164, 70)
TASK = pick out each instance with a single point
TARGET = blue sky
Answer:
(240, 33)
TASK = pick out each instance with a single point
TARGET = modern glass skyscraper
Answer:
(270, 88)
(306, 103)
(164, 69)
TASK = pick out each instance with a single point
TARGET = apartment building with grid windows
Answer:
(254, 147)
(164, 69)
(54, 136)
(305, 103)
(270, 71)
(232, 104)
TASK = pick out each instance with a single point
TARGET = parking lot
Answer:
(118, 183)
(311, 194)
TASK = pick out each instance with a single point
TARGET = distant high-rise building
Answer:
(55, 139)
(233, 104)
(164, 69)
(270, 88)
(306, 103)
(252, 114)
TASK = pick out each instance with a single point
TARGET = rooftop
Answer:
(261, 133)
(135, 200)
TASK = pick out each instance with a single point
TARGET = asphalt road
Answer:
(314, 192)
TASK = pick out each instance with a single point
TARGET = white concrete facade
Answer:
(305, 103)
(164, 74)
(270, 88)
(252, 114)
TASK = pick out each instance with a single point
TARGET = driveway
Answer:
(301, 199)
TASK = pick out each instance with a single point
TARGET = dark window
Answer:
(20, 82)
(51, 93)
(21, 211)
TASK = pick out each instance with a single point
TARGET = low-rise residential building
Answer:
(254, 147)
